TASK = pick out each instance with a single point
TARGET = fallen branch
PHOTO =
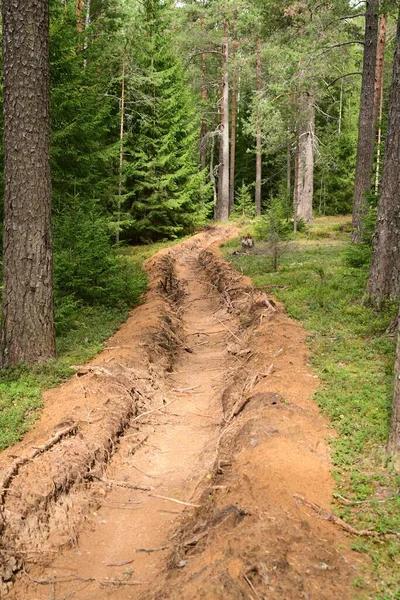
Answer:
(174, 500)
(328, 516)
(149, 412)
(69, 578)
(123, 484)
(149, 550)
(122, 563)
(231, 332)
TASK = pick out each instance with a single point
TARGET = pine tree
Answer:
(27, 333)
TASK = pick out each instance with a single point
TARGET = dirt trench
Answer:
(180, 452)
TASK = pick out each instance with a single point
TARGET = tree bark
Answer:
(378, 100)
(203, 135)
(394, 436)
(222, 212)
(296, 183)
(384, 280)
(27, 333)
(233, 127)
(367, 122)
(233, 141)
(80, 19)
(305, 169)
(258, 134)
(288, 171)
(121, 146)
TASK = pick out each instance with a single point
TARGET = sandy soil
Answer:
(190, 440)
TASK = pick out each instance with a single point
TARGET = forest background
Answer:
(165, 115)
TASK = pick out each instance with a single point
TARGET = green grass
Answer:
(353, 355)
(88, 327)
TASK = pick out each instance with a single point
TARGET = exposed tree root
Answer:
(328, 516)
(22, 460)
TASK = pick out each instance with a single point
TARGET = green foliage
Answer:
(86, 270)
(274, 230)
(335, 168)
(244, 203)
(353, 356)
(359, 255)
(83, 113)
(165, 189)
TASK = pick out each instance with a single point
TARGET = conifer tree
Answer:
(162, 175)
(27, 333)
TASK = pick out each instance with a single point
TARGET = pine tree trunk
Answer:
(80, 20)
(87, 24)
(203, 135)
(258, 135)
(305, 169)
(378, 100)
(220, 154)
(233, 140)
(394, 436)
(121, 147)
(212, 175)
(367, 123)
(384, 280)
(296, 183)
(27, 333)
(289, 170)
(222, 212)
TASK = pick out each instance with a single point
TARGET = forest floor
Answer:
(188, 460)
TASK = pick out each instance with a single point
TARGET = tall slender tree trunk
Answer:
(212, 174)
(203, 135)
(233, 140)
(305, 157)
(341, 109)
(80, 19)
(394, 436)
(220, 152)
(233, 123)
(296, 183)
(87, 24)
(258, 134)
(121, 146)
(27, 333)
(289, 169)
(367, 122)
(378, 100)
(222, 212)
(384, 280)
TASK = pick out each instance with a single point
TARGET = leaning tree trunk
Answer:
(27, 333)
(305, 156)
(258, 134)
(384, 280)
(394, 436)
(367, 123)
(222, 212)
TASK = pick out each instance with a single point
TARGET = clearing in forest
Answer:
(186, 461)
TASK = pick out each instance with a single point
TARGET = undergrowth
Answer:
(353, 356)
(81, 331)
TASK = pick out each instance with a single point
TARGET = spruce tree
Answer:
(163, 181)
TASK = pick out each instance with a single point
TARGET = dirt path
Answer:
(224, 423)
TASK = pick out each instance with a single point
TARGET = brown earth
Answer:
(179, 454)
